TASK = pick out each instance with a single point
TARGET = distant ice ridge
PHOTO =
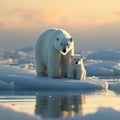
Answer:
(102, 68)
(16, 57)
(102, 62)
(105, 54)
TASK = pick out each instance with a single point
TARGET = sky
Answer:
(92, 23)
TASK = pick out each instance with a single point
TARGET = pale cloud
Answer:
(116, 15)
(1, 24)
(28, 18)
(72, 15)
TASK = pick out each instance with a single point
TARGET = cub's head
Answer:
(64, 45)
(77, 59)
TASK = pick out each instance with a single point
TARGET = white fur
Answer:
(52, 53)
(77, 69)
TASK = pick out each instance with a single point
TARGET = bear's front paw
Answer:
(65, 76)
(55, 76)
(70, 77)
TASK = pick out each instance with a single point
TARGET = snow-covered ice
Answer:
(17, 72)
(101, 114)
(28, 80)
(18, 66)
(8, 113)
(6, 86)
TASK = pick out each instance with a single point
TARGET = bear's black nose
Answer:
(64, 50)
(77, 62)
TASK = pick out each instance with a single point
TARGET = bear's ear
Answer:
(57, 39)
(72, 56)
(71, 39)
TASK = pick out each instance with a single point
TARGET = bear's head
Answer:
(77, 59)
(63, 44)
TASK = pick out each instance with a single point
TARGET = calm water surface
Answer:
(60, 104)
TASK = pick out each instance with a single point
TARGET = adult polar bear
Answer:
(52, 53)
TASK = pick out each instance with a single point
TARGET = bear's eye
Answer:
(71, 39)
(67, 44)
(57, 39)
(61, 43)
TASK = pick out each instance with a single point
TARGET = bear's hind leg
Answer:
(41, 70)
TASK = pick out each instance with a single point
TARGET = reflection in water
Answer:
(59, 106)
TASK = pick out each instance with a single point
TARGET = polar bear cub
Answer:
(76, 69)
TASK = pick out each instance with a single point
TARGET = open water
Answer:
(60, 104)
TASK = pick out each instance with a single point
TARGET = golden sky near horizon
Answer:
(67, 13)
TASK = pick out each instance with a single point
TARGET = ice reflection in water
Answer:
(71, 104)
(59, 106)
